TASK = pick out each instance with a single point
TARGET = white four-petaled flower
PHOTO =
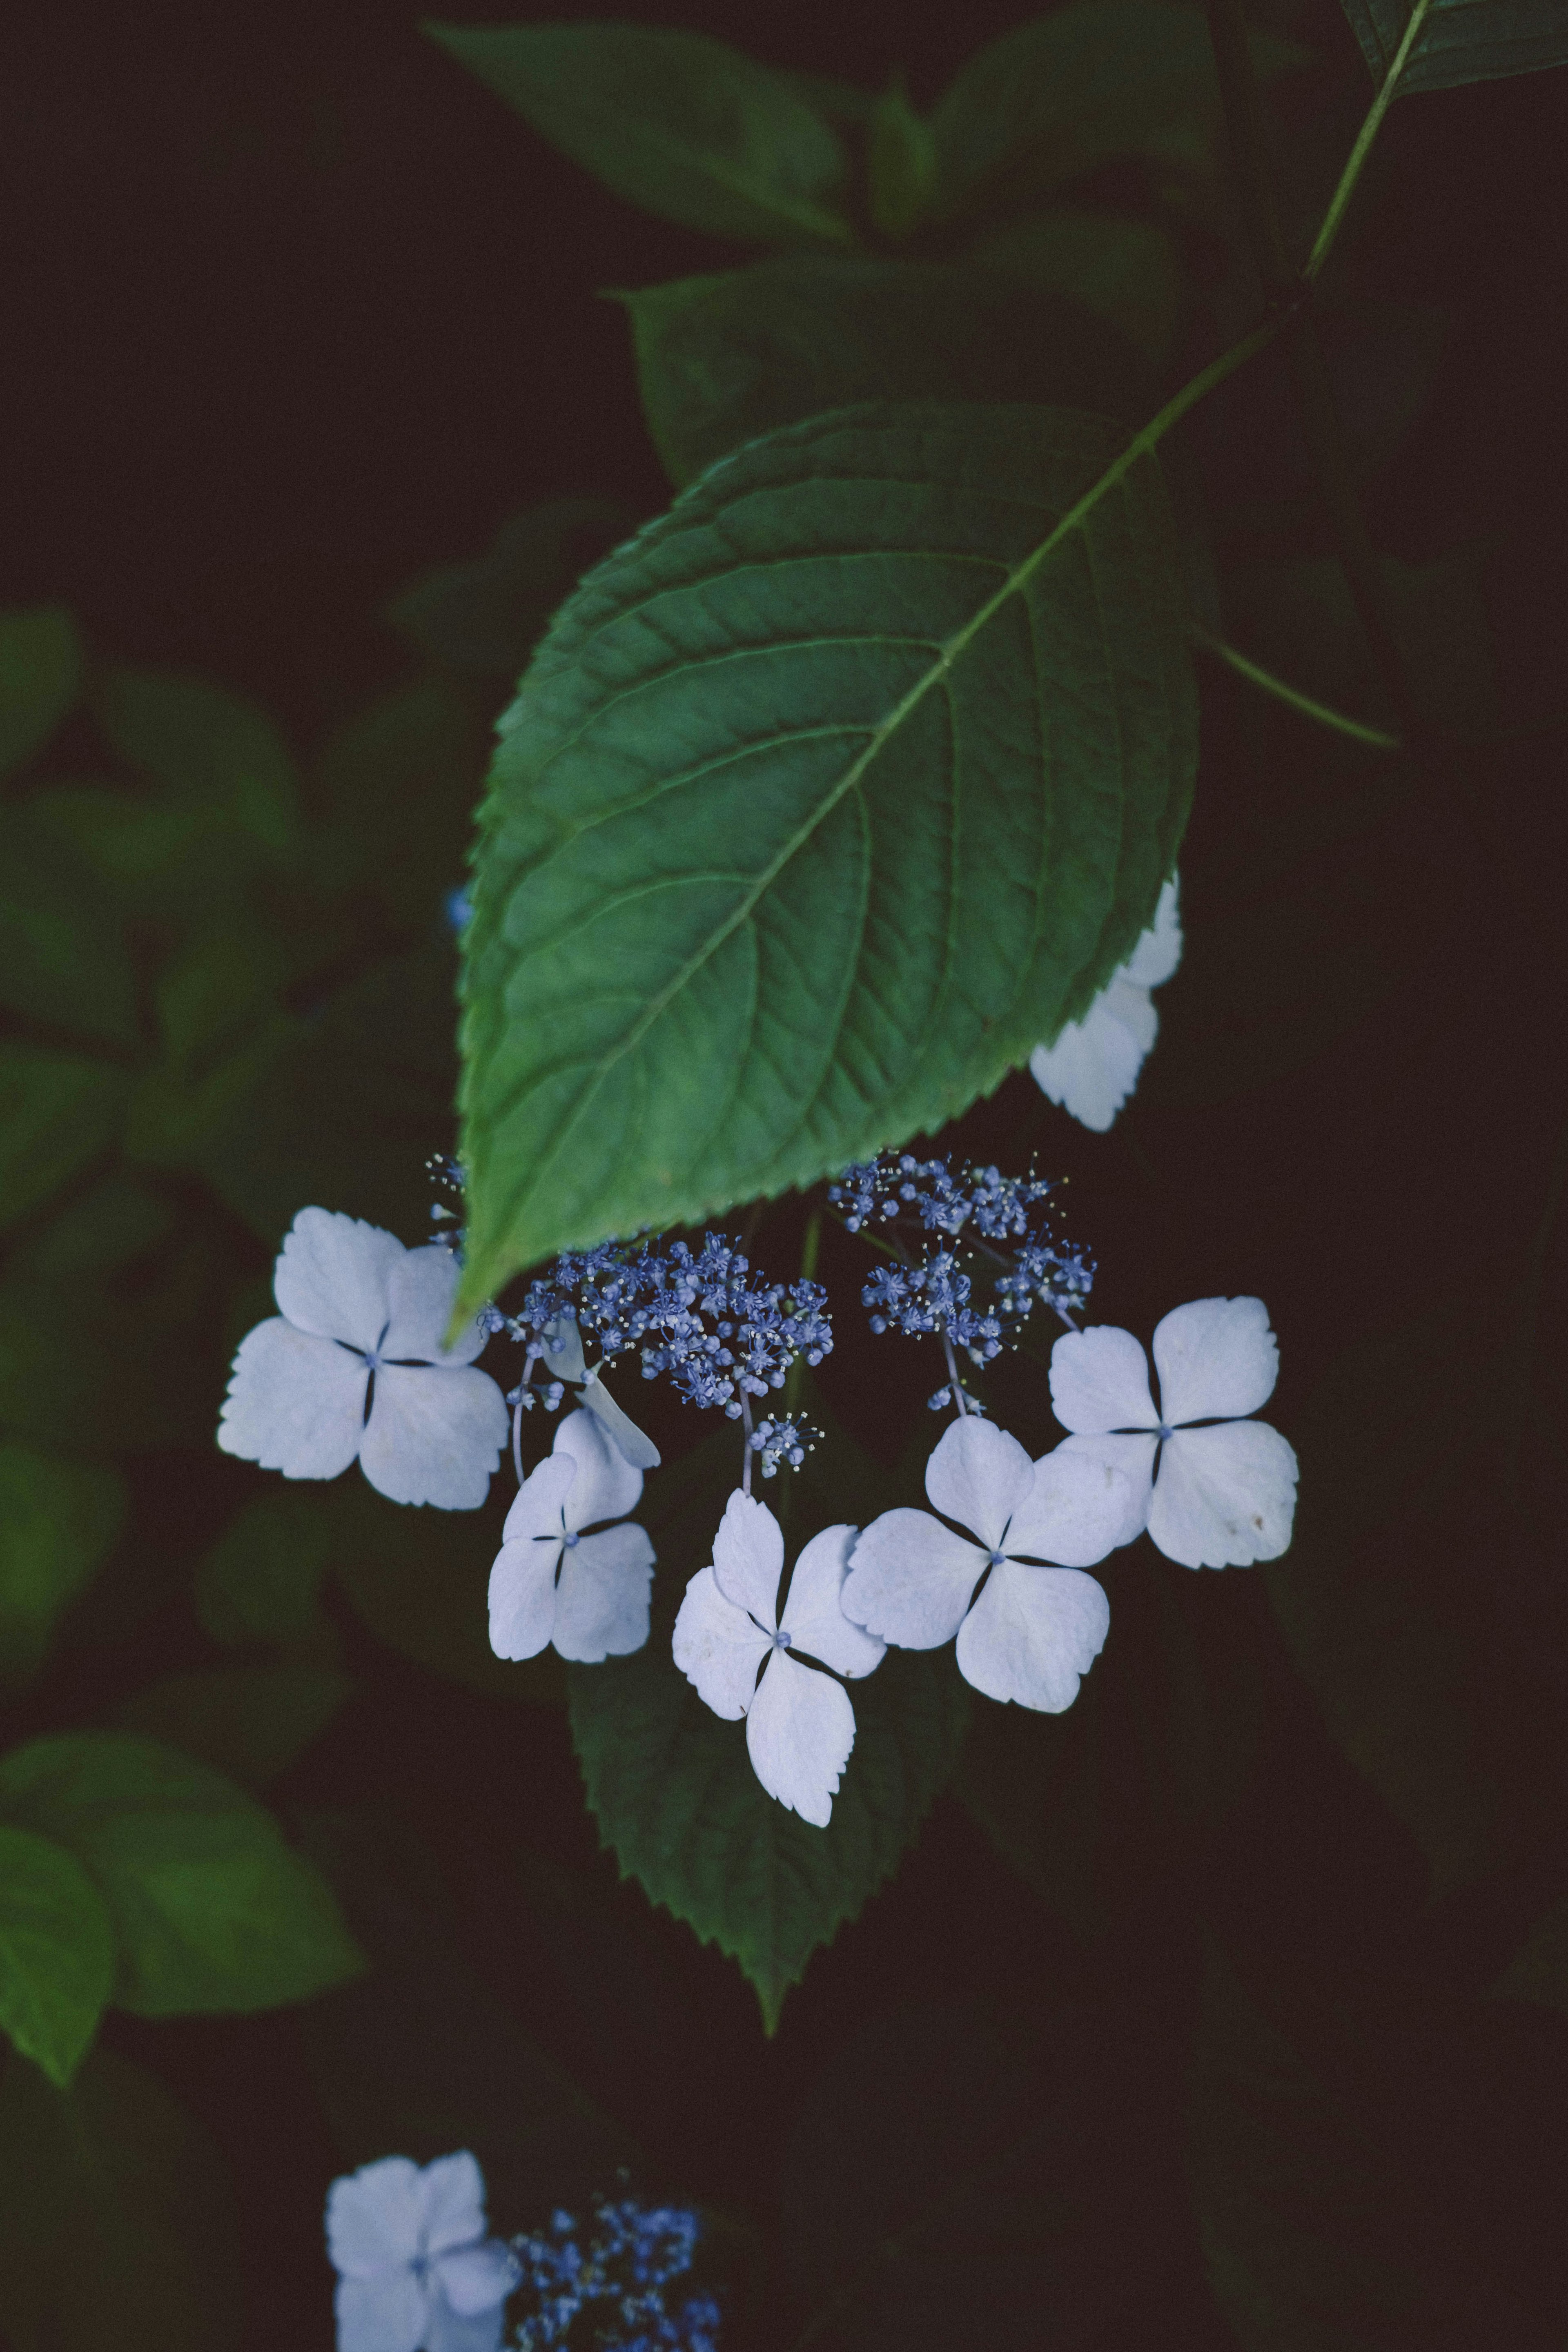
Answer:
(800, 1725)
(1225, 1494)
(563, 1360)
(416, 2270)
(1094, 1064)
(1039, 1623)
(588, 1593)
(362, 1321)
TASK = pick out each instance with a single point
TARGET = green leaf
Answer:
(1127, 271)
(396, 784)
(119, 2223)
(900, 164)
(87, 1371)
(1389, 1446)
(1539, 1970)
(262, 1581)
(485, 617)
(723, 359)
(63, 956)
(57, 1111)
(40, 678)
(1461, 40)
(1064, 93)
(250, 1722)
(116, 1224)
(420, 2055)
(58, 1522)
(848, 781)
(57, 1953)
(222, 1028)
(213, 1911)
(683, 126)
(672, 1788)
(419, 1580)
(152, 857)
(211, 749)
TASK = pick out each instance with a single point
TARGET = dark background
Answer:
(294, 309)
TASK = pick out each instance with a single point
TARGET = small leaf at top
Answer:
(685, 127)
(824, 800)
(40, 678)
(57, 1953)
(1461, 40)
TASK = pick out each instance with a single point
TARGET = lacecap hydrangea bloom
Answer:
(1029, 1622)
(567, 1574)
(354, 1365)
(800, 1725)
(620, 2278)
(1093, 1065)
(1214, 1489)
(416, 2272)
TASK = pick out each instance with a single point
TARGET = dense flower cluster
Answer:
(703, 1316)
(634, 2253)
(932, 1297)
(789, 1439)
(999, 1207)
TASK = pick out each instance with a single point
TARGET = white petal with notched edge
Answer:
(434, 1436)
(1099, 1381)
(1226, 1496)
(602, 1595)
(979, 1475)
(814, 1614)
(910, 1579)
(295, 1402)
(420, 1291)
(718, 1648)
(1073, 1514)
(748, 1558)
(607, 1485)
(1033, 1634)
(332, 1275)
(1133, 1457)
(1093, 1065)
(388, 2314)
(800, 1729)
(1217, 1360)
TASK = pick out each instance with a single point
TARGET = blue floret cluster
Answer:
(615, 2285)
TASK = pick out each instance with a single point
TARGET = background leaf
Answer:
(1539, 1970)
(64, 960)
(57, 1953)
(770, 784)
(211, 748)
(212, 1909)
(58, 1521)
(120, 2228)
(57, 1111)
(261, 1580)
(723, 359)
(484, 618)
(40, 678)
(1461, 41)
(250, 1722)
(680, 125)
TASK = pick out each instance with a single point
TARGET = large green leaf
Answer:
(844, 783)
(1461, 40)
(1063, 93)
(57, 1111)
(119, 2223)
(212, 1910)
(723, 359)
(85, 1370)
(673, 1791)
(58, 1521)
(396, 785)
(57, 1953)
(680, 124)
(40, 677)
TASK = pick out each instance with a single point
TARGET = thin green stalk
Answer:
(1306, 704)
(1324, 242)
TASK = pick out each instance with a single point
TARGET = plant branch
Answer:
(1323, 245)
(1306, 704)
(1286, 292)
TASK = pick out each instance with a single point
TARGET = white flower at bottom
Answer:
(800, 1725)
(1094, 1064)
(357, 1307)
(1225, 1494)
(416, 2270)
(1038, 1624)
(585, 1593)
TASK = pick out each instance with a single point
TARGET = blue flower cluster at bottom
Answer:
(634, 2252)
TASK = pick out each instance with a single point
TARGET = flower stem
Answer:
(746, 1443)
(1356, 729)
(1323, 245)
(958, 1396)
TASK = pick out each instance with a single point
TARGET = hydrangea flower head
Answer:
(354, 1364)
(1217, 1496)
(1094, 1064)
(416, 2270)
(565, 1574)
(800, 1725)
(1034, 1626)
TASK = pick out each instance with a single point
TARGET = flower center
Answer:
(571, 1542)
(1163, 1432)
(780, 1640)
(997, 1560)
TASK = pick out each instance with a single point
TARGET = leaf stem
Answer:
(1287, 293)
(1323, 245)
(1307, 703)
